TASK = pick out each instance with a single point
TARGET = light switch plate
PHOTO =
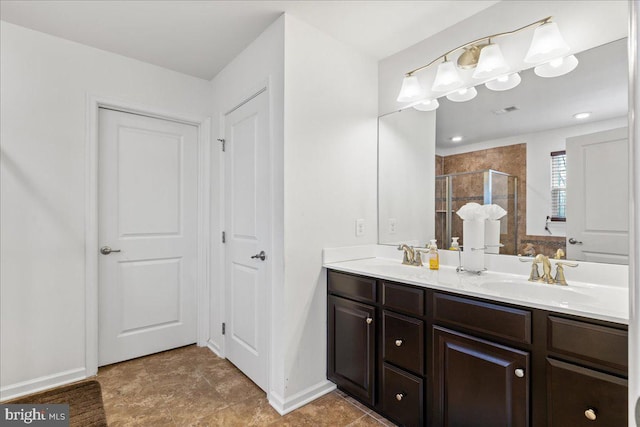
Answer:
(392, 225)
(359, 227)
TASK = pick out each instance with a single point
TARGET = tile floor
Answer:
(191, 386)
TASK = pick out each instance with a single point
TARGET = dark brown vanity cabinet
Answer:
(478, 382)
(352, 345)
(423, 357)
(588, 387)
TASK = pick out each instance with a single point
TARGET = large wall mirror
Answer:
(562, 177)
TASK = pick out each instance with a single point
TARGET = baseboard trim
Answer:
(215, 348)
(42, 383)
(284, 406)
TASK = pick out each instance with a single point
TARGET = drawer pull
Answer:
(399, 396)
(398, 343)
(369, 320)
(590, 414)
(519, 373)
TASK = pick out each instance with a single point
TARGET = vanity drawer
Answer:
(505, 322)
(403, 341)
(402, 396)
(351, 286)
(573, 390)
(594, 343)
(403, 298)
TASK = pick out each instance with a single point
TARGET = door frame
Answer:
(93, 104)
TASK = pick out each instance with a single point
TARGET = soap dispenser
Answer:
(434, 257)
(455, 246)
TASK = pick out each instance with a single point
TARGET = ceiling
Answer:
(598, 85)
(199, 38)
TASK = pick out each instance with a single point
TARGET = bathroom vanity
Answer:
(427, 348)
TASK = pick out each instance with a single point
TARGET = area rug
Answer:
(84, 399)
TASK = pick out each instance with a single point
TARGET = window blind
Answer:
(558, 185)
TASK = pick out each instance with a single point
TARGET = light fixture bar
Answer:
(493, 36)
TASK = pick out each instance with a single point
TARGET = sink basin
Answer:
(563, 295)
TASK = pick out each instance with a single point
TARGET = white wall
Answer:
(262, 62)
(539, 148)
(330, 181)
(406, 167)
(44, 84)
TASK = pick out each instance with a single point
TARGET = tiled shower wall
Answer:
(511, 159)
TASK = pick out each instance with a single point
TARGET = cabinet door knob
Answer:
(399, 396)
(590, 414)
(369, 320)
(398, 343)
(519, 373)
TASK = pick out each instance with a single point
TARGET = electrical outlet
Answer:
(392, 225)
(359, 227)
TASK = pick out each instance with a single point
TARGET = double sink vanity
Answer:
(447, 348)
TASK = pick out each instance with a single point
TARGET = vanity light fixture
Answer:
(548, 51)
(582, 116)
(427, 105)
(447, 77)
(557, 67)
(456, 139)
(463, 95)
(504, 82)
(491, 62)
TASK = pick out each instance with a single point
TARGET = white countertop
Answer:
(597, 301)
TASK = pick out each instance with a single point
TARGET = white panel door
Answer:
(247, 196)
(148, 218)
(598, 197)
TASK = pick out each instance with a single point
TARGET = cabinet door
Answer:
(351, 347)
(579, 396)
(479, 383)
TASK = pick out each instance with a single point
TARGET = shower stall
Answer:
(483, 187)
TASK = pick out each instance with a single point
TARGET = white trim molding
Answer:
(42, 383)
(285, 405)
(93, 104)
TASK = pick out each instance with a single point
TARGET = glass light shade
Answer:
(491, 62)
(505, 82)
(411, 90)
(462, 95)
(557, 67)
(427, 105)
(447, 78)
(547, 44)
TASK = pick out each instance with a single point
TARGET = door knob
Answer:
(106, 250)
(574, 241)
(519, 373)
(398, 343)
(262, 256)
(590, 414)
(369, 320)
(399, 396)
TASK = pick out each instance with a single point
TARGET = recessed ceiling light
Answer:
(581, 116)
(456, 139)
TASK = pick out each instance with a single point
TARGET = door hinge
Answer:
(224, 327)
(222, 140)
(224, 237)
